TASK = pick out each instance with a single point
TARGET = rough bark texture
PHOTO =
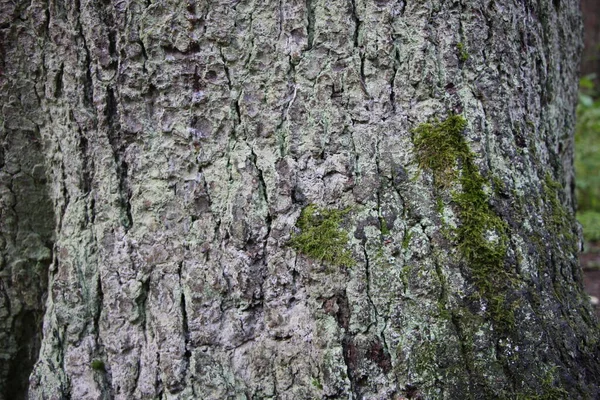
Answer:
(182, 140)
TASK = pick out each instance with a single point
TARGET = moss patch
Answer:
(440, 146)
(463, 54)
(558, 219)
(384, 228)
(321, 236)
(481, 235)
(98, 365)
(548, 388)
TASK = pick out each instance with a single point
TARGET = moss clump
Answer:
(316, 383)
(321, 237)
(549, 389)
(406, 239)
(560, 221)
(558, 214)
(439, 146)
(384, 228)
(463, 54)
(98, 365)
(481, 235)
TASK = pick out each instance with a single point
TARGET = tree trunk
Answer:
(291, 200)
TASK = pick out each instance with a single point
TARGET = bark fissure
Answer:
(368, 292)
(184, 322)
(115, 139)
(355, 34)
(310, 23)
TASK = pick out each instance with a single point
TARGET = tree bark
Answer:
(246, 200)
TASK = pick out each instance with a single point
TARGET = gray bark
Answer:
(182, 140)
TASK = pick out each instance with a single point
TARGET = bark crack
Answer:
(184, 321)
(363, 80)
(310, 23)
(357, 23)
(368, 284)
(396, 64)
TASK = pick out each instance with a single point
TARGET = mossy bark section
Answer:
(321, 237)
(182, 140)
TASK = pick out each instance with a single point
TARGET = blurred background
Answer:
(587, 150)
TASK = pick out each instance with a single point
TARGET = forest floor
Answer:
(590, 262)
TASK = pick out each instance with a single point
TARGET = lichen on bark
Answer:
(181, 140)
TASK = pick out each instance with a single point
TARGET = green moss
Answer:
(558, 219)
(558, 214)
(439, 146)
(321, 237)
(549, 389)
(439, 205)
(384, 228)
(406, 240)
(316, 383)
(404, 276)
(98, 365)
(463, 54)
(481, 235)
(424, 359)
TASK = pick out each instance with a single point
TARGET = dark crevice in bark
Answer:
(58, 82)
(158, 383)
(88, 82)
(27, 330)
(110, 113)
(356, 24)
(280, 20)
(103, 377)
(279, 129)
(64, 193)
(349, 350)
(289, 100)
(23, 278)
(118, 146)
(184, 322)
(310, 23)
(350, 354)
(402, 7)
(86, 180)
(238, 113)
(235, 103)
(268, 218)
(363, 81)
(261, 181)
(144, 54)
(98, 311)
(112, 44)
(47, 15)
(396, 64)
(368, 289)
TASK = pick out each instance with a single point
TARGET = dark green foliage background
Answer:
(587, 159)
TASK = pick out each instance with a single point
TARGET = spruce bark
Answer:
(291, 200)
